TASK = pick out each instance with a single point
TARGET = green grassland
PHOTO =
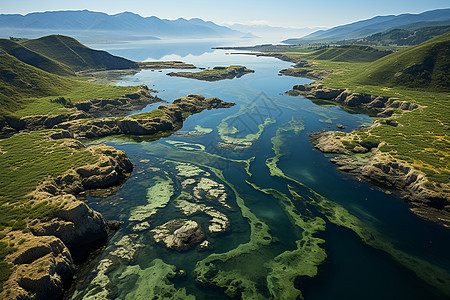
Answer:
(26, 159)
(27, 90)
(155, 113)
(349, 53)
(418, 74)
(33, 58)
(75, 55)
(219, 70)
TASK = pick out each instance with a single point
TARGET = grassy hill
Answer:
(75, 55)
(19, 80)
(27, 90)
(425, 66)
(418, 74)
(349, 53)
(401, 37)
(32, 58)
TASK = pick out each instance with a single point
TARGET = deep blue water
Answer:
(352, 270)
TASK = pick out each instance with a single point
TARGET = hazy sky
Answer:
(293, 13)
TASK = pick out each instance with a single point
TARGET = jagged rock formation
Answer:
(381, 105)
(384, 170)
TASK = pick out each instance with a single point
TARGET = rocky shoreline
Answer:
(381, 106)
(94, 108)
(215, 74)
(82, 124)
(383, 170)
(44, 262)
(377, 167)
(171, 118)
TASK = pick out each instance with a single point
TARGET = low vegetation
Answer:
(26, 90)
(155, 113)
(26, 159)
(76, 56)
(33, 58)
(349, 53)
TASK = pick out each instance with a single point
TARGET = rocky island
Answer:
(215, 74)
(158, 65)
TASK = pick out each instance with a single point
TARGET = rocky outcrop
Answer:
(385, 171)
(79, 227)
(144, 124)
(42, 267)
(380, 105)
(43, 263)
(306, 73)
(10, 126)
(178, 234)
(127, 103)
(218, 222)
(217, 73)
(123, 105)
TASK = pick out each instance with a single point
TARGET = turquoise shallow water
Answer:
(396, 262)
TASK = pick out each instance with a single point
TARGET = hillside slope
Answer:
(401, 37)
(349, 53)
(33, 58)
(374, 25)
(425, 66)
(75, 55)
(19, 80)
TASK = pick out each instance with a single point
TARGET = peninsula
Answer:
(406, 147)
(215, 74)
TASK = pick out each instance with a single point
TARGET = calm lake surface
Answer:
(373, 246)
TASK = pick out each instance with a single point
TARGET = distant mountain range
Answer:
(92, 26)
(400, 37)
(275, 33)
(360, 29)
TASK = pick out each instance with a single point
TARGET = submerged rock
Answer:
(218, 221)
(178, 234)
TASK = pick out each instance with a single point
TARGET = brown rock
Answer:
(178, 234)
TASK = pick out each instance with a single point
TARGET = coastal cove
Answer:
(296, 226)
